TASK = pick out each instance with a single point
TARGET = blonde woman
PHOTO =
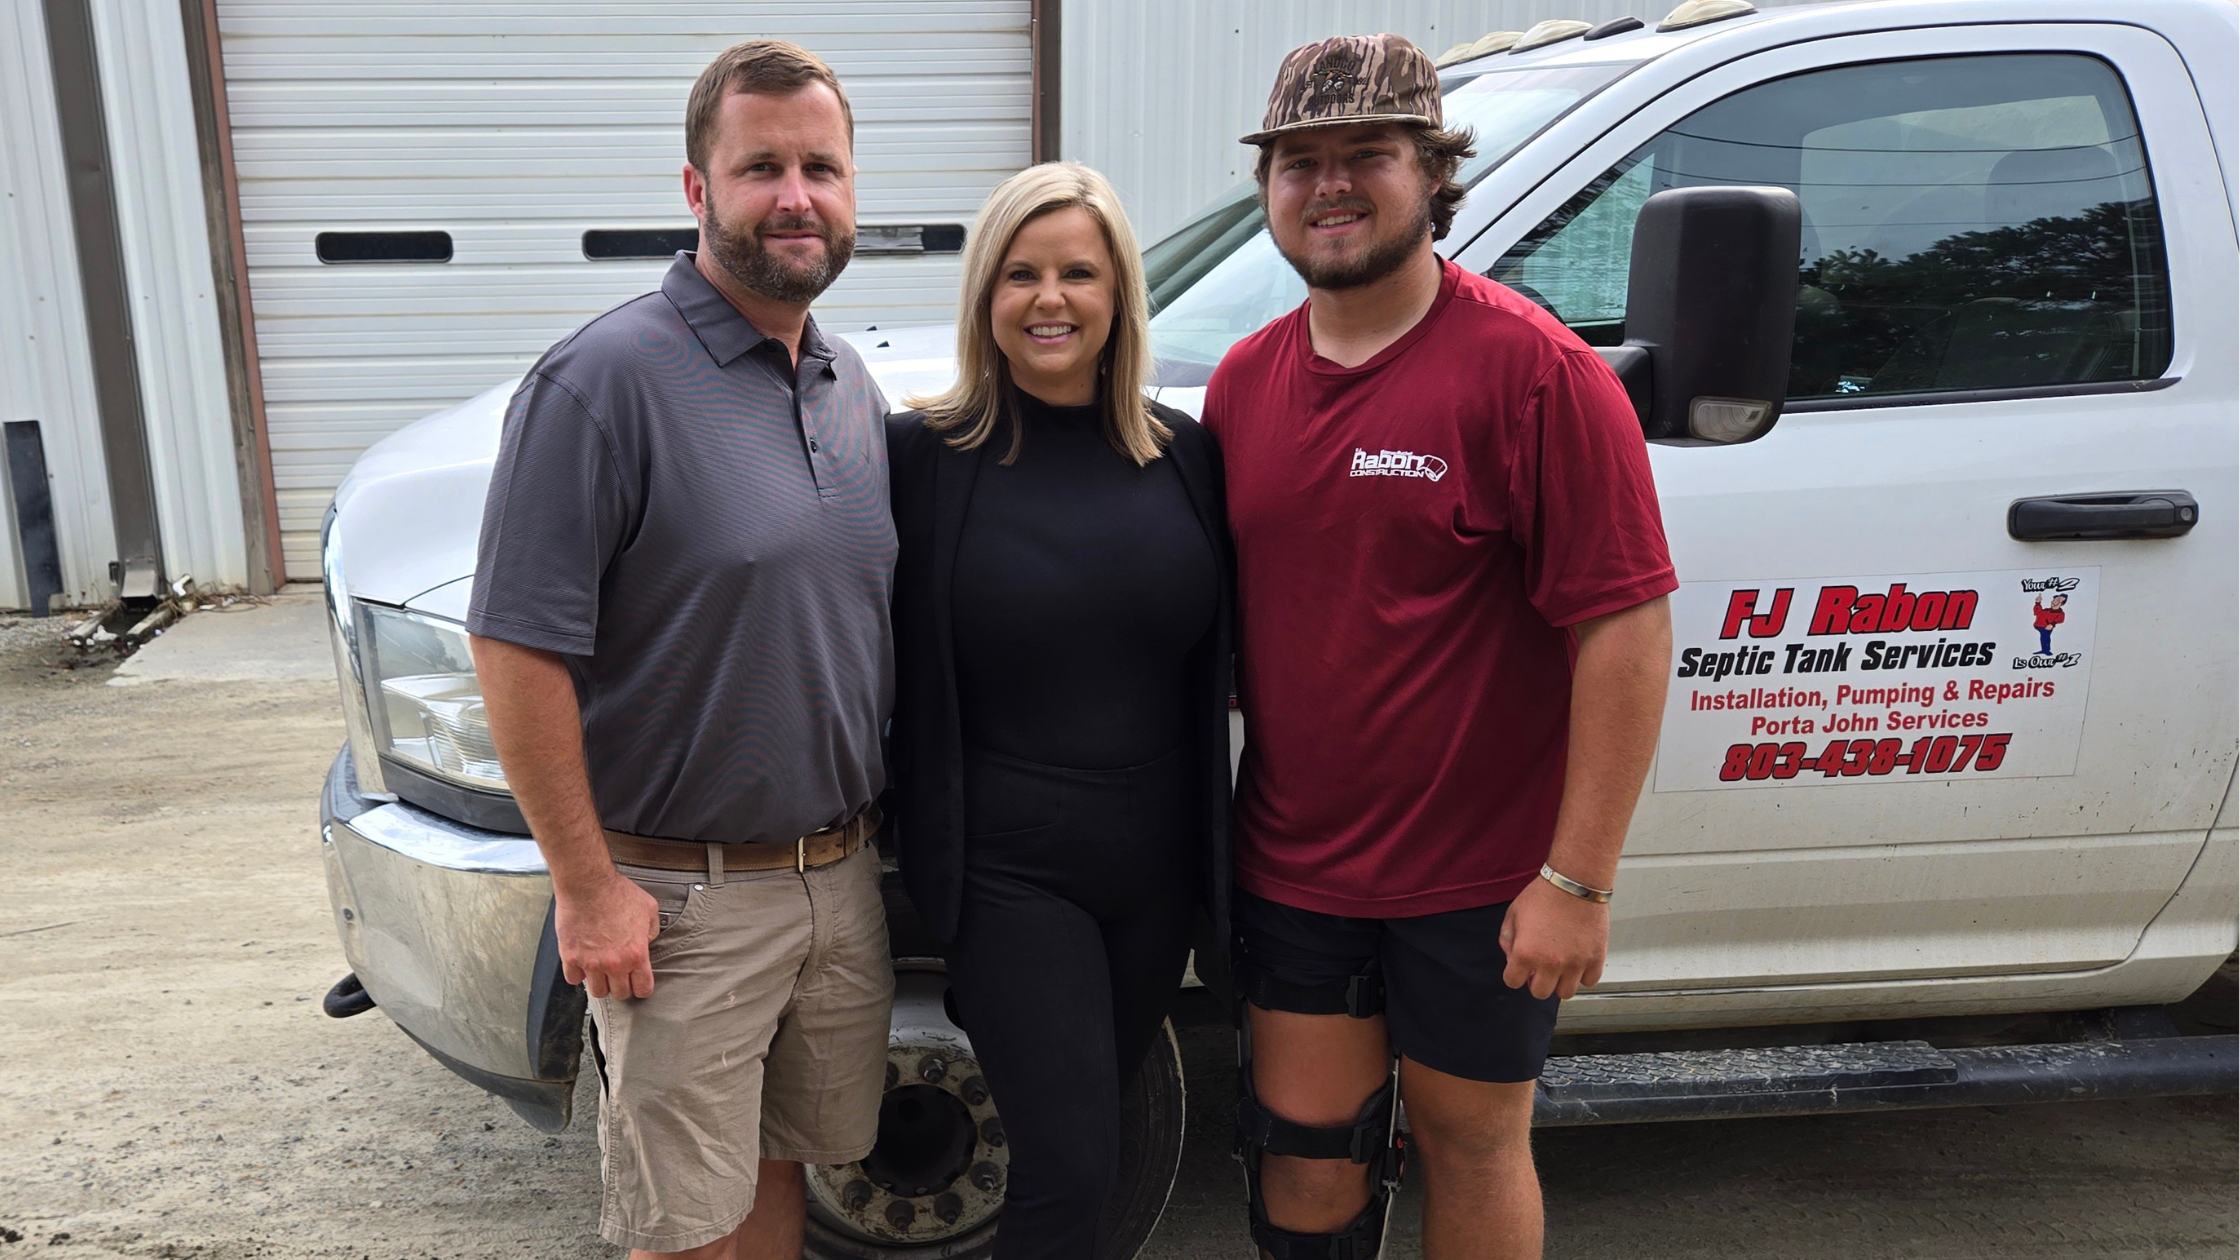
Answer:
(1060, 739)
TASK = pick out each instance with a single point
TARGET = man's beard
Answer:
(743, 256)
(1372, 264)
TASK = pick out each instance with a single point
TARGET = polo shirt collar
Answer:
(722, 330)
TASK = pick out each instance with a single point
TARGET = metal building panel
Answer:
(163, 224)
(516, 126)
(1155, 92)
(46, 373)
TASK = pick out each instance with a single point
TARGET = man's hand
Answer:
(1556, 942)
(603, 934)
(602, 920)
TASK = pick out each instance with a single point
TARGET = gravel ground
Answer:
(172, 1089)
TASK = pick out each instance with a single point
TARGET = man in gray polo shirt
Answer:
(680, 621)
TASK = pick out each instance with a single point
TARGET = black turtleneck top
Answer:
(1082, 583)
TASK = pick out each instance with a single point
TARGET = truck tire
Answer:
(932, 1189)
(1151, 1117)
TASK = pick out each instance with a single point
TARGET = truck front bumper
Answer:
(449, 928)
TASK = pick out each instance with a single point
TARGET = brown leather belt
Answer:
(822, 849)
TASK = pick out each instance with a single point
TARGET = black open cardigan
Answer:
(931, 483)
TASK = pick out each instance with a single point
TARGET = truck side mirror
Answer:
(1711, 311)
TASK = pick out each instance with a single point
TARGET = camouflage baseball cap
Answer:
(1351, 79)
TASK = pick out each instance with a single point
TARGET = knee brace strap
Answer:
(1360, 996)
(1362, 1142)
(1361, 1239)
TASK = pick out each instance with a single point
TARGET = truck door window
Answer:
(1969, 223)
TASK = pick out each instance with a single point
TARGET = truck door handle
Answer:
(2126, 514)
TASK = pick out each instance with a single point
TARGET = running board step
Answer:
(1871, 1076)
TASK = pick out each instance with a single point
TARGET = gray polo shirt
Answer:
(703, 531)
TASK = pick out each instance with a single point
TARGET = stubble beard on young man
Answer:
(1374, 263)
(743, 257)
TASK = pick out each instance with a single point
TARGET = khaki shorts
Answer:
(765, 1038)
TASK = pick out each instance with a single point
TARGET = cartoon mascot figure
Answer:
(2046, 617)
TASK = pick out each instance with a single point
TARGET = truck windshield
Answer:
(1218, 277)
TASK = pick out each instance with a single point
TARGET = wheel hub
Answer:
(940, 1164)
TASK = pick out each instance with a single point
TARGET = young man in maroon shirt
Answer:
(1453, 640)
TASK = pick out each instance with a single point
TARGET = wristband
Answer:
(1600, 896)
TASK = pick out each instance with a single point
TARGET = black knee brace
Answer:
(1372, 1140)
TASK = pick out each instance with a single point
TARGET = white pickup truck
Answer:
(1942, 810)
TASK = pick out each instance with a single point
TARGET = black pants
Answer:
(1078, 896)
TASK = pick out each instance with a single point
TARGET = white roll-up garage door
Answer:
(513, 128)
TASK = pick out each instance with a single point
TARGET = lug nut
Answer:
(986, 1176)
(931, 1069)
(948, 1207)
(975, 1090)
(901, 1213)
(894, 1075)
(991, 1130)
(856, 1195)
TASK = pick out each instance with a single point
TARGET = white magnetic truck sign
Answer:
(1889, 678)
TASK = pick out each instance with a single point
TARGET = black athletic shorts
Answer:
(1440, 976)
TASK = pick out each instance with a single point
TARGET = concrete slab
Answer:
(283, 640)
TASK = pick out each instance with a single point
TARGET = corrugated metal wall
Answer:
(1156, 92)
(163, 223)
(517, 124)
(45, 371)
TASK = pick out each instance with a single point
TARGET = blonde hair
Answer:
(968, 411)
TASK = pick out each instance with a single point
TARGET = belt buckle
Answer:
(801, 856)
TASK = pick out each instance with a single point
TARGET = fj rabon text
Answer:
(1887, 679)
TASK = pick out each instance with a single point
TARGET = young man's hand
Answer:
(603, 932)
(1556, 942)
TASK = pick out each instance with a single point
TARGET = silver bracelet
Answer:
(1600, 896)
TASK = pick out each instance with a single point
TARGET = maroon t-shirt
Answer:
(1413, 535)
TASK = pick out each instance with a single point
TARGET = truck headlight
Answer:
(425, 702)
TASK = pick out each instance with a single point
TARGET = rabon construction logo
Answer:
(1397, 464)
